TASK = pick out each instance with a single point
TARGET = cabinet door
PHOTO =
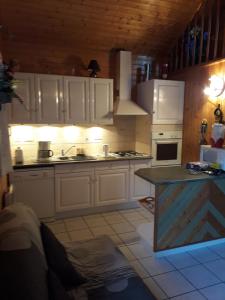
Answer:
(76, 99)
(168, 102)
(111, 186)
(48, 89)
(101, 101)
(24, 88)
(73, 191)
(139, 188)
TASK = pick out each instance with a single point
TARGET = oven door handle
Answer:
(167, 142)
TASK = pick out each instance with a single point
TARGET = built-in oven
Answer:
(166, 148)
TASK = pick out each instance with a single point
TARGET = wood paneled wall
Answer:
(197, 105)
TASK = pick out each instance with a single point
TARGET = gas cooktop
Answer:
(128, 153)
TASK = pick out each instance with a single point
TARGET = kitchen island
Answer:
(188, 208)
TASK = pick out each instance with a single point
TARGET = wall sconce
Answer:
(216, 91)
(93, 67)
(216, 87)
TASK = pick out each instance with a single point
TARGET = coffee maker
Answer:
(44, 152)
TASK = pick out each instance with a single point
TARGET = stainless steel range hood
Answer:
(124, 104)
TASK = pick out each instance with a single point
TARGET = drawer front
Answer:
(112, 165)
(74, 167)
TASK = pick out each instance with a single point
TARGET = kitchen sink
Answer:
(76, 158)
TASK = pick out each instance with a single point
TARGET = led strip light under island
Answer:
(189, 209)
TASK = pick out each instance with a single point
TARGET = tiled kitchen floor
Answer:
(195, 275)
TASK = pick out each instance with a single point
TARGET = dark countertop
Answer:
(52, 163)
(172, 175)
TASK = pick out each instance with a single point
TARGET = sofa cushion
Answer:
(55, 288)
(19, 227)
(57, 260)
(23, 274)
(23, 271)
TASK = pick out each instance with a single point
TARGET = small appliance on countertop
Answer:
(213, 156)
(44, 152)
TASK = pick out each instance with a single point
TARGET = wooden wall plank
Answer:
(145, 26)
(197, 106)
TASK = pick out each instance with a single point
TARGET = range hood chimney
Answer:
(124, 104)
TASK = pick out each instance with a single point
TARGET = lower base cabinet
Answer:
(139, 188)
(74, 191)
(99, 184)
(111, 186)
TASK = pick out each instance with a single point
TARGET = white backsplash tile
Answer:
(120, 136)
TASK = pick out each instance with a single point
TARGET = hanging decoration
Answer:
(7, 82)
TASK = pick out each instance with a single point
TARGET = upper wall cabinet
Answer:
(25, 90)
(163, 99)
(101, 101)
(52, 99)
(76, 99)
(49, 101)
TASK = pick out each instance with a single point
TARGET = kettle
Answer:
(44, 152)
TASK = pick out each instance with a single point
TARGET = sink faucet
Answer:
(63, 152)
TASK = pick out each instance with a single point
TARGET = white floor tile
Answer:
(217, 267)
(203, 255)
(104, 230)
(219, 249)
(95, 222)
(114, 219)
(57, 227)
(173, 283)
(156, 266)
(155, 289)
(215, 292)
(130, 237)
(199, 276)
(139, 269)
(190, 296)
(133, 216)
(80, 235)
(122, 227)
(75, 224)
(141, 250)
(63, 237)
(116, 239)
(137, 223)
(181, 260)
(127, 252)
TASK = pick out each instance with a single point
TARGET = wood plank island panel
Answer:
(189, 208)
(191, 212)
(197, 106)
(144, 27)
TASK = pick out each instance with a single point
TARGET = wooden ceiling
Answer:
(142, 26)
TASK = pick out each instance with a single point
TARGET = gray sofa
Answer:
(36, 266)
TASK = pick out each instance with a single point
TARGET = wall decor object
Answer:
(93, 67)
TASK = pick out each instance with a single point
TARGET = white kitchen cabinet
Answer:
(35, 188)
(53, 99)
(163, 99)
(74, 190)
(139, 188)
(24, 88)
(111, 186)
(49, 99)
(101, 101)
(76, 99)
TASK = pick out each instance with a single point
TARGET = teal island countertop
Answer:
(162, 175)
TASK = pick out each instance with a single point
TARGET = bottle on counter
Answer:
(18, 155)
